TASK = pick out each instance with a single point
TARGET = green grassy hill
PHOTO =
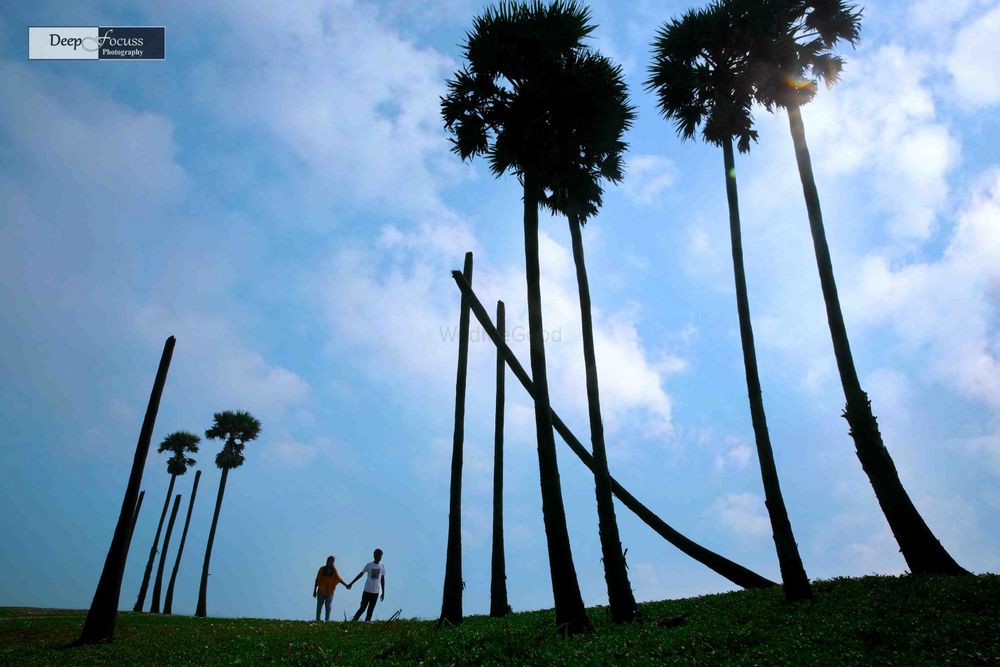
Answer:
(872, 620)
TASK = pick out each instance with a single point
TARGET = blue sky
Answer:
(278, 193)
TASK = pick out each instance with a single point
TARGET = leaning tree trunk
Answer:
(103, 614)
(141, 600)
(922, 551)
(734, 572)
(203, 590)
(620, 598)
(499, 605)
(168, 601)
(451, 603)
(793, 574)
(154, 606)
(570, 612)
(135, 515)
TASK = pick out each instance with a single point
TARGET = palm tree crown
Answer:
(237, 428)
(180, 443)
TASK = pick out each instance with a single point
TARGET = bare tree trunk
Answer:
(499, 605)
(922, 551)
(203, 589)
(103, 614)
(451, 605)
(141, 600)
(154, 606)
(734, 572)
(168, 602)
(620, 598)
(135, 516)
(793, 574)
(571, 615)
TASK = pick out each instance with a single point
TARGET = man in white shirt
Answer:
(374, 573)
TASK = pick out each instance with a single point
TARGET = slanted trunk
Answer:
(571, 616)
(498, 572)
(154, 606)
(620, 598)
(103, 613)
(203, 589)
(451, 603)
(793, 574)
(168, 601)
(141, 600)
(922, 551)
(135, 515)
(734, 572)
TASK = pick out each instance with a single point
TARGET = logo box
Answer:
(96, 43)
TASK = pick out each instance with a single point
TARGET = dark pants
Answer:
(367, 600)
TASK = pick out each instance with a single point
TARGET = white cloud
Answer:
(737, 455)
(972, 62)
(743, 514)
(647, 176)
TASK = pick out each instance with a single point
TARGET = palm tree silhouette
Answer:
(236, 429)
(506, 104)
(180, 443)
(168, 601)
(601, 115)
(701, 75)
(792, 50)
(499, 606)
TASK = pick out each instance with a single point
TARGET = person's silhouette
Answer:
(326, 581)
(374, 573)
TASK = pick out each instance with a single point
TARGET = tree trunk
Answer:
(793, 574)
(203, 590)
(141, 600)
(103, 613)
(734, 572)
(620, 598)
(135, 515)
(168, 601)
(922, 551)
(451, 604)
(570, 612)
(154, 606)
(499, 605)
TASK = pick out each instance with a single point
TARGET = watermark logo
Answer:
(96, 43)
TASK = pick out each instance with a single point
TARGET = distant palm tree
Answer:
(602, 114)
(507, 103)
(168, 601)
(499, 606)
(793, 42)
(154, 606)
(180, 443)
(235, 429)
(701, 75)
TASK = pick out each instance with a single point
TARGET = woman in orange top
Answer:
(326, 581)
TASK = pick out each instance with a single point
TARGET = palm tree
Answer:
(451, 603)
(792, 50)
(236, 429)
(181, 443)
(154, 606)
(168, 601)
(604, 115)
(499, 606)
(701, 75)
(103, 613)
(507, 104)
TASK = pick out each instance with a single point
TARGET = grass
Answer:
(870, 621)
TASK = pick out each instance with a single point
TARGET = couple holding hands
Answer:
(327, 579)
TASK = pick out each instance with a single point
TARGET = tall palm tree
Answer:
(701, 75)
(180, 443)
(604, 114)
(507, 104)
(168, 601)
(154, 606)
(103, 613)
(235, 429)
(451, 602)
(792, 49)
(499, 606)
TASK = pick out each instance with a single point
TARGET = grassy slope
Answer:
(873, 620)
